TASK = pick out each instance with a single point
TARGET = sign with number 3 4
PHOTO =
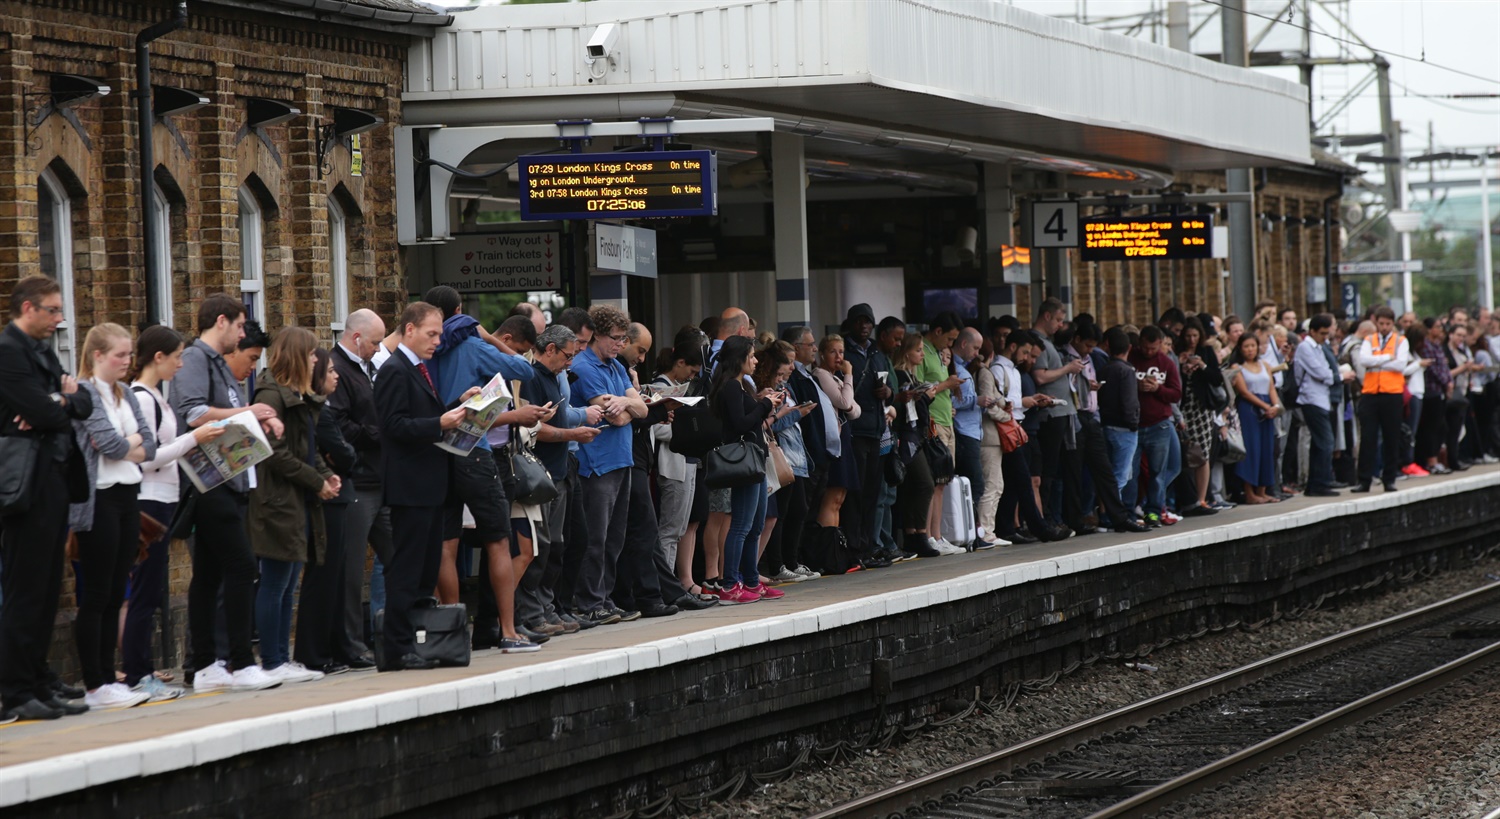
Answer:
(1054, 224)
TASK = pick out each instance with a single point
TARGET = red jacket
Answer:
(1157, 406)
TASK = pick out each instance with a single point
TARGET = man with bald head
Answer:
(532, 312)
(732, 322)
(352, 406)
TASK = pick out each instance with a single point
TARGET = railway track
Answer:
(1136, 760)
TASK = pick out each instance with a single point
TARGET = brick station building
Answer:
(244, 94)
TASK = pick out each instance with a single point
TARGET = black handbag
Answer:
(939, 459)
(740, 463)
(895, 469)
(533, 486)
(18, 463)
(442, 633)
(695, 431)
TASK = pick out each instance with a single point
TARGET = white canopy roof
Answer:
(975, 78)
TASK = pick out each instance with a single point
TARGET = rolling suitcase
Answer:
(958, 513)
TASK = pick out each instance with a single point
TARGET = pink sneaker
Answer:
(736, 594)
(766, 592)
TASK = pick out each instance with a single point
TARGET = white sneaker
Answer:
(787, 576)
(807, 574)
(157, 690)
(947, 548)
(294, 672)
(114, 695)
(252, 678)
(214, 678)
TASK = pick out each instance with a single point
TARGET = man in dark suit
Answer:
(38, 401)
(414, 476)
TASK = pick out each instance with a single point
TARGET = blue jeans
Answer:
(1163, 452)
(1122, 456)
(273, 609)
(747, 516)
(1320, 447)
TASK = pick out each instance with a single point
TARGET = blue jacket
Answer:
(465, 360)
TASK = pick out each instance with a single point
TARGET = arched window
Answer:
(338, 263)
(160, 276)
(252, 256)
(55, 242)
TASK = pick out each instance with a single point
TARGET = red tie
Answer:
(422, 368)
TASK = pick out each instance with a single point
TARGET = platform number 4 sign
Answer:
(1054, 224)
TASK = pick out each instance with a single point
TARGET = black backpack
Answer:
(696, 430)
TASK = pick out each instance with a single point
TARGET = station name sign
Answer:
(637, 185)
(1126, 238)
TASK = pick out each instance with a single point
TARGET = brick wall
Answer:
(203, 159)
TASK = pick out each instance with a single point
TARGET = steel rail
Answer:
(936, 786)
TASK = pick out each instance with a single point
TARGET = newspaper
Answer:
(483, 408)
(657, 393)
(242, 446)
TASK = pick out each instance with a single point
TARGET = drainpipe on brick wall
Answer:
(145, 122)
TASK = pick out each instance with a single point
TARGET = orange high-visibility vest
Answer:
(1381, 381)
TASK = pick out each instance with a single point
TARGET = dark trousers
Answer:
(412, 573)
(914, 495)
(859, 501)
(222, 555)
(105, 554)
(367, 525)
(1455, 416)
(1431, 427)
(1059, 463)
(638, 581)
(575, 540)
(1380, 415)
(606, 499)
(1093, 447)
(320, 608)
(784, 549)
(1319, 429)
(966, 464)
(1018, 495)
(148, 584)
(31, 571)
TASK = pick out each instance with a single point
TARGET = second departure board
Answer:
(619, 185)
(1123, 238)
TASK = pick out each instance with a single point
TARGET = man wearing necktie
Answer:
(414, 476)
(352, 405)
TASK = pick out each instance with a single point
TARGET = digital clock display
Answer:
(611, 186)
(1128, 238)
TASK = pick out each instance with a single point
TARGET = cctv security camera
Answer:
(603, 41)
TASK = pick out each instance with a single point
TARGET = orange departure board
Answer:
(1128, 238)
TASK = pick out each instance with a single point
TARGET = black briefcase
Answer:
(442, 633)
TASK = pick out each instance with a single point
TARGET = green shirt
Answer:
(932, 371)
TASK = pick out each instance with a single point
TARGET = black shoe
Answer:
(1198, 510)
(691, 602)
(359, 664)
(626, 616)
(1085, 530)
(1322, 493)
(598, 617)
(875, 562)
(32, 710)
(534, 636)
(1390, 487)
(1056, 533)
(1134, 526)
(917, 544)
(1020, 539)
(1361, 489)
(65, 691)
(332, 667)
(68, 707)
(659, 610)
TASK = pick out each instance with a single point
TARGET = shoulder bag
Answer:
(778, 469)
(939, 458)
(1012, 437)
(735, 464)
(1232, 446)
(533, 486)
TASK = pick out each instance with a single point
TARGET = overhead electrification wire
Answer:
(1382, 52)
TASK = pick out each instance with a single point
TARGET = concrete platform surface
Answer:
(43, 759)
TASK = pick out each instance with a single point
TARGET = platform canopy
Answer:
(883, 82)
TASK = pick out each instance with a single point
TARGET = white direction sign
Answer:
(500, 262)
(1054, 224)
(1375, 268)
(628, 250)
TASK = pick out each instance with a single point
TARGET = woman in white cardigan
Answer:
(835, 378)
(158, 357)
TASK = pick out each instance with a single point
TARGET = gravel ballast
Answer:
(1088, 692)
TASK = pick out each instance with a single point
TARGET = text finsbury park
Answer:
(1122, 238)
(637, 185)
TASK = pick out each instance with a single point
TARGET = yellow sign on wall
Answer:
(356, 157)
